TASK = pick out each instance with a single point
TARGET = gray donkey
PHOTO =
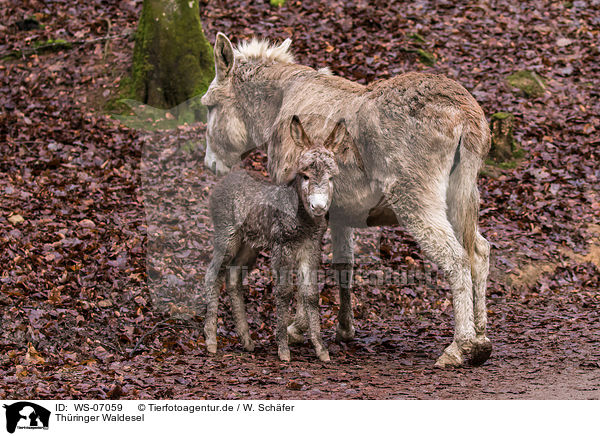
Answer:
(250, 214)
(422, 139)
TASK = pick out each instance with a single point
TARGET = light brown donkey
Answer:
(422, 139)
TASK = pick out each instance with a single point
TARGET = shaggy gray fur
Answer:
(421, 139)
(251, 214)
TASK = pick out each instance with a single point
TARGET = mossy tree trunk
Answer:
(503, 143)
(172, 59)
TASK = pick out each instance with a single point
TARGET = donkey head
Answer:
(228, 137)
(316, 166)
(226, 134)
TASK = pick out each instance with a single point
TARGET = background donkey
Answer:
(250, 214)
(422, 139)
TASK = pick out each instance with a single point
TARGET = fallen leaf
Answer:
(33, 357)
(16, 219)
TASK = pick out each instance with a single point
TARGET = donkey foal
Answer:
(290, 219)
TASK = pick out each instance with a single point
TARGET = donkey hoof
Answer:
(452, 357)
(344, 335)
(324, 356)
(284, 355)
(211, 348)
(481, 350)
(294, 335)
(248, 345)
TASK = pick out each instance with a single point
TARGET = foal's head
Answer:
(316, 166)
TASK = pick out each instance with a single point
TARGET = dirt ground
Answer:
(113, 234)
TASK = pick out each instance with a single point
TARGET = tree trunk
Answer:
(172, 59)
(503, 143)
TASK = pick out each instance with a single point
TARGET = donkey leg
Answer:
(482, 347)
(281, 258)
(342, 238)
(234, 288)
(435, 235)
(283, 297)
(308, 292)
(311, 302)
(463, 212)
(300, 324)
(212, 284)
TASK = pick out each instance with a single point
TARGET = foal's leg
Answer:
(308, 291)
(245, 256)
(300, 324)
(427, 222)
(343, 263)
(342, 238)
(212, 284)
(226, 246)
(283, 297)
(281, 260)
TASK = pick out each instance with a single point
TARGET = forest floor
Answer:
(101, 224)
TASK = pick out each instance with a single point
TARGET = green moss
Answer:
(425, 57)
(517, 157)
(189, 147)
(38, 47)
(518, 152)
(501, 115)
(277, 3)
(529, 82)
(417, 38)
(52, 45)
(491, 165)
(172, 60)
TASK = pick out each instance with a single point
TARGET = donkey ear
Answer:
(224, 59)
(298, 134)
(342, 145)
(337, 137)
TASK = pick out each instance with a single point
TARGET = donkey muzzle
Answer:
(212, 162)
(318, 204)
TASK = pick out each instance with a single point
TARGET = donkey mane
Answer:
(265, 51)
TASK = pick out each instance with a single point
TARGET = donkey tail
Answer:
(462, 195)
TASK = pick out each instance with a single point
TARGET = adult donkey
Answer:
(422, 139)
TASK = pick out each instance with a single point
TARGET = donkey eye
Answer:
(304, 177)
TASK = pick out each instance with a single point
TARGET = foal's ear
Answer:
(224, 59)
(298, 134)
(337, 137)
(342, 145)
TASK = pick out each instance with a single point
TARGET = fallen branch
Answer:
(109, 25)
(61, 44)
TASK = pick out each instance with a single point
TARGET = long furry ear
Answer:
(337, 137)
(224, 58)
(298, 134)
(342, 145)
(289, 179)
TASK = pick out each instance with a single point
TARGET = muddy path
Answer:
(545, 347)
(550, 362)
